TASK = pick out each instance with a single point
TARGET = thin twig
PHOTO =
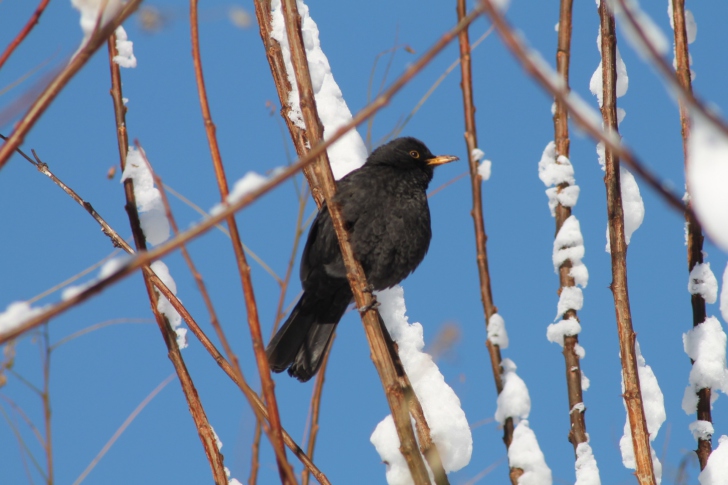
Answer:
(618, 248)
(95, 41)
(577, 429)
(141, 260)
(476, 183)
(284, 468)
(123, 428)
(694, 230)
(316, 409)
(575, 106)
(46, 399)
(204, 430)
(24, 32)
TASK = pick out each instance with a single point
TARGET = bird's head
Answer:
(408, 153)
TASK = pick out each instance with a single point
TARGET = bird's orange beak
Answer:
(441, 160)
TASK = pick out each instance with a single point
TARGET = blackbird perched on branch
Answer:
(385, 211)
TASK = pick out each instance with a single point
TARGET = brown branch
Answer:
(355, 273)
(694, 230)
(284, 468)
(142, 259)
(95, 41)
(207, 436)
(24, 32)
(577, 430)
(283, 87)
(618, 246)
(476, 183)
(575, 108)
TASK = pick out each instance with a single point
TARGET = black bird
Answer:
(385, 211)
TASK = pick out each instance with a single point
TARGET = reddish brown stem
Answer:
(577, 430)
(268, 387)
(24, 32)
(476, 183)
(618, 247)
(694, 230)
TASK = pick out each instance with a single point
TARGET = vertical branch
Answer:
(284, 468)
(204, 429)
(476, 182)
(46, 397)
(632, 394)
(355, 273)
(315, 410)
(577, 431)
(694, 230)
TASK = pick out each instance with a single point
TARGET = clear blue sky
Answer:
(99, 378)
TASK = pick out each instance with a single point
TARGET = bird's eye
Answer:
(414, 154)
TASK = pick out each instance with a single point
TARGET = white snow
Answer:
(653, 403)
(702, 282)
(557, 331)
(524, 453)
(585, 382)
(716, 471)
(595, 83)
(497, 333)
(165, 307)
(701, 429)
(707, 175)
(587, 472)
(552, 171)
(569, 244)
(514, 400)
(724, 295)
(571, 298)
(578, 407)
(90, 10)
(349, 152)
(125, 48)
(16, 313)
(705, 344)
(106, 270)
(477, 154)
(448, 425)
(152, 216)
(484, 169)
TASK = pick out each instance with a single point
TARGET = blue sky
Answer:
(99, 378)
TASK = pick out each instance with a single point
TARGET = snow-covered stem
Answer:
(284, 468)
(615, 215)
(204, 430)
(140, 260)
(373, 325)
(316, 411)
(577, 430)
(476, 183)
(41, 103)
(283, 87)
(34, 19)
(516, 45)
(694, 230)
(668, 73)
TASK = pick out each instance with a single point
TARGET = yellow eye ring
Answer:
(414, 154)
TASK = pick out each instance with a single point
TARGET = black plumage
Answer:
(385, 211)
